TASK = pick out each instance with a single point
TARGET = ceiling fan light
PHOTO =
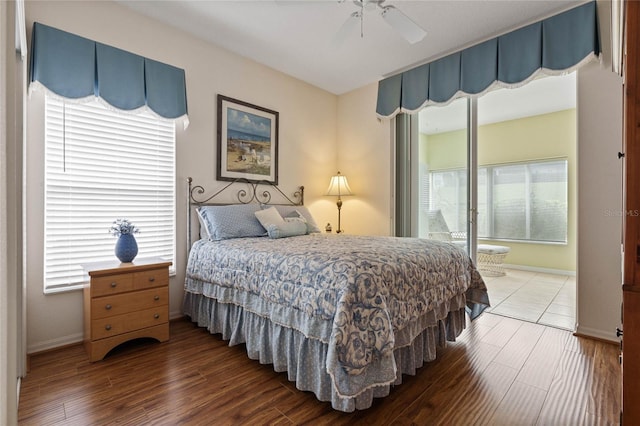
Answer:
(400, 22)
(367, 5)
(370, 5)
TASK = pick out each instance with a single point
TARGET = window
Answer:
(101, 165)
(524, 201)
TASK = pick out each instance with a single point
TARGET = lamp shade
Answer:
(339, 186)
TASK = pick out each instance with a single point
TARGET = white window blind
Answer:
(101, 165)
(525, 201)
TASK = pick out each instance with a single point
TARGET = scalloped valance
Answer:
(552, 46)
(74, 67)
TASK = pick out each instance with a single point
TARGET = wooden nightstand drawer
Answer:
(113, 284)
(111, 326)
(152, 278)
(109, 306)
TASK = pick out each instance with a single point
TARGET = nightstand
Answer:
(125, 301)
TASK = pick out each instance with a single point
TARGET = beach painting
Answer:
(247, 141)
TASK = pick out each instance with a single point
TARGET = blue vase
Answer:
(126, 248)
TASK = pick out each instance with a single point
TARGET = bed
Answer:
(344, 315)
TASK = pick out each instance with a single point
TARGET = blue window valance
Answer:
(555, 45)
(74, 67)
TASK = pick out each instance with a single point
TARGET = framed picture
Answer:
(247, 141)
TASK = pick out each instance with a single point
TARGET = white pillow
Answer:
(269, 217)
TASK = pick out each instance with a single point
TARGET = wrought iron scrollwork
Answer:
(252, 193)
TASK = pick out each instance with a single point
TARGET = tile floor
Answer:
(535, 297)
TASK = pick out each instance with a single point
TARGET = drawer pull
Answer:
(114, 284)
(156, 297)
(107, 307)
(107, 327)
(156, 316)
(152, 279)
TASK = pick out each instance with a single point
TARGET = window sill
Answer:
(506, 240)
(64, 289)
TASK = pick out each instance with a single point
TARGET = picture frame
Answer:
(247, 142)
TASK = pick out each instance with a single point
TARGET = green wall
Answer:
(533, 138)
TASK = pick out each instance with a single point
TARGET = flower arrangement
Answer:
(123, 226)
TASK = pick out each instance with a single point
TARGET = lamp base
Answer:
(339, 204)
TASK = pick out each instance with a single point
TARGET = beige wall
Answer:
(308, 129)
(539, 137)
(363, 152)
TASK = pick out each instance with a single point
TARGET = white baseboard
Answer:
(55, 343)
(541, 270)
(609, 336)
(175, 315)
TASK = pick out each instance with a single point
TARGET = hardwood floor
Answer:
(501, 371)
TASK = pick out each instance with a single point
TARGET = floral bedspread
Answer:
(367, 289)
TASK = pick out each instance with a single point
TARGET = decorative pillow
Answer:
(296, 219)
(296, 216)
(288, 228)
(233, 221)
(302, 211)
(268, 217)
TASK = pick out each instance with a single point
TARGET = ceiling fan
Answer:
(400, 22)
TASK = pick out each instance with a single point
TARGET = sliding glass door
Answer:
(443, 173)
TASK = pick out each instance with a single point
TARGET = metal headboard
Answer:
(252, 192)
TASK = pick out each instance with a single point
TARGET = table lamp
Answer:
(338, 186)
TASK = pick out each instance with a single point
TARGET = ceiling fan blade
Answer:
(400, 22)
(347, 28)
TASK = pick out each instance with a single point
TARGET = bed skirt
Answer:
(304, 359)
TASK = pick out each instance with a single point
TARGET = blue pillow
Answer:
(289, 228)
(233, 221)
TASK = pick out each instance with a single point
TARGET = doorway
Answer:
(499, 174)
